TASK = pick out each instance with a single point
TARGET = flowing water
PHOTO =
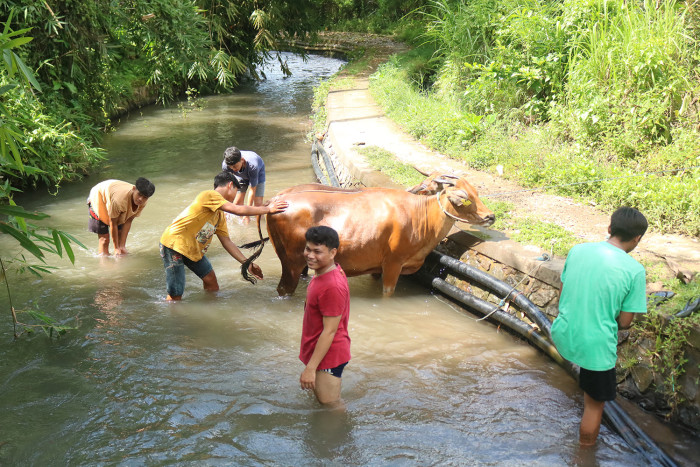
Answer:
(214, 380)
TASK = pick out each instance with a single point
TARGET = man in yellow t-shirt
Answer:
(187, 238)
(112, 206)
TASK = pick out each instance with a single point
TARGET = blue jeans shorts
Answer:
(260, 191)
(174, 264)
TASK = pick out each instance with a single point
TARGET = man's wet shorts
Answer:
(600, 385)
(95, 225)
(337, 371)
(259, 191)
(174, 264)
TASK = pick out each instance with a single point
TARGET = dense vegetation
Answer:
(94, 58)
(560, 94)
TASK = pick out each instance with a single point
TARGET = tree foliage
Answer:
(93, 54)
(34, 240)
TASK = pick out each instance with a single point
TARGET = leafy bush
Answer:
(500, 55)
(47, 143)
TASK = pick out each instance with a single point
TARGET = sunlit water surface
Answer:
(214, 380)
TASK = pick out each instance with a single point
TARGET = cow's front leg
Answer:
(290, 279)
(390, 276)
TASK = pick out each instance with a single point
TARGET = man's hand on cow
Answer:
(308, 378)
(255, 270)
(277, 205)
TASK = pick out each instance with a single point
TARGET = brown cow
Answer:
(381, 230)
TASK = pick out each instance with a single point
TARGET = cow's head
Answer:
(461, 195)
(434, 183)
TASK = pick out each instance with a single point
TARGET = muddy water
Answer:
(214, 380)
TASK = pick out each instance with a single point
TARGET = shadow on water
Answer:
(214, 380)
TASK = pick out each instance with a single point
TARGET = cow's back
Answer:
(367, 221)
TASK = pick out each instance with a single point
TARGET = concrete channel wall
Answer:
(536, 274)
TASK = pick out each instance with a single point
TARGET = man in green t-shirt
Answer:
(602, 288)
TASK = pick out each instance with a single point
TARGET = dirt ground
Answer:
(365, 124)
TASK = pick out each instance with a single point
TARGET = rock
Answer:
(552, 311)
(622, 336)
(690, 416)
(643, 377)
(497, 271)
(543, 296)
(628, 389)
(621, 374)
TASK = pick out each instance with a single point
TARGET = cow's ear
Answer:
(459, 199)
(418, 189)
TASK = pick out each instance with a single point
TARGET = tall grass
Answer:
(438, 122)
(629, 74)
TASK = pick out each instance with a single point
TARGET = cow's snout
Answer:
(489, 220)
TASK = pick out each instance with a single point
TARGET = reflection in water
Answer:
(214, 380)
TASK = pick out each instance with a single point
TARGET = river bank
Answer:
(354, 120)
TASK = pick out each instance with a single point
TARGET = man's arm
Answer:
(240, 210)
(251, 196)
(624, 320)
(123, 233)
(330, 326)
(233, 250)
(114, 233)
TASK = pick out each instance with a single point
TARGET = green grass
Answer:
(546, 235)
(538, 156)
(385, 161)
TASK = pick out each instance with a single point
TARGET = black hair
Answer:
(145, 187)
(323, 235)
(223, 178)
(232, 155)
(627, 223)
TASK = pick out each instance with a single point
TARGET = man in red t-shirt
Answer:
(325, 343)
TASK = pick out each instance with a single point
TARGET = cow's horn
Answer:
(425, 174)
(443, 181)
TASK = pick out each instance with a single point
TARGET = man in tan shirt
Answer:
(112, 206)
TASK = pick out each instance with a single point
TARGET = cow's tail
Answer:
(247, 246)
(246, 264)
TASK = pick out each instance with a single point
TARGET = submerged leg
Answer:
(390, 276)
(590, 421)
(289, 280)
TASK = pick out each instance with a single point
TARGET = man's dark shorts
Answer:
(337, 371)
(174, 264)
(600, 385)
(95, 225)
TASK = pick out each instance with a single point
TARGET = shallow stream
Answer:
(214, 380)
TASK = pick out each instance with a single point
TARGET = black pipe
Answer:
(515, 325)
(505, 290)
(329, 165)
(317, 168)
(617, 418)
(328, 177)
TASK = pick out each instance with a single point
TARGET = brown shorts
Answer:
(95, 225)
